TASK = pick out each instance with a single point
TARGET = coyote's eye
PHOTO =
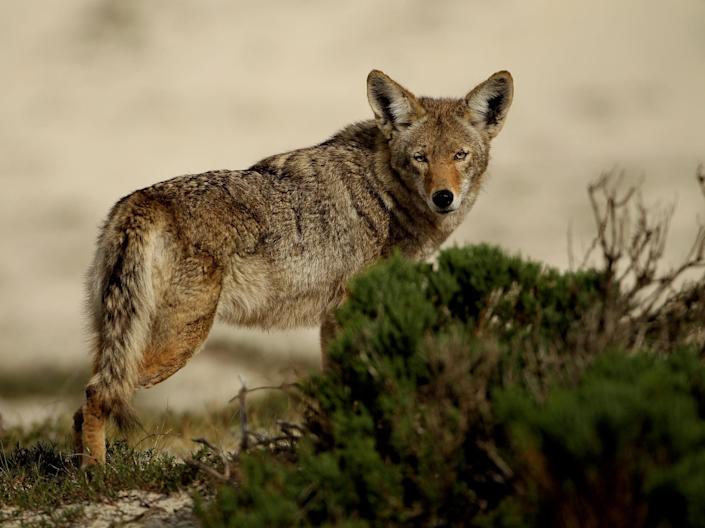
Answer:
(421, 158)
(460, 155)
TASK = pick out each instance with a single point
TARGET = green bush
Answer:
(464, 395)
(625, 447)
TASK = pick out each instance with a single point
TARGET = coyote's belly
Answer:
(256, 294)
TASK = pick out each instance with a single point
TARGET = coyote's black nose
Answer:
(442, 199)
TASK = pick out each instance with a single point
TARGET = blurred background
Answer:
(101, 97)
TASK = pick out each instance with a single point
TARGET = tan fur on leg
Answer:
(93, 437)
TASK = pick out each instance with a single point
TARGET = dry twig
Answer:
(631, 240)
(290, 433)
(242, 395)
(225, 475)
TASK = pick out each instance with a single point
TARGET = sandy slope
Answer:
(101, 97)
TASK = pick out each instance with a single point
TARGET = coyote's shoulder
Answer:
(274, 245)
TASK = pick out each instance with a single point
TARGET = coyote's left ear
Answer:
(394, 106)
(489, 102)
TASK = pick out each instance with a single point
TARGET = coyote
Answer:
(274, 245)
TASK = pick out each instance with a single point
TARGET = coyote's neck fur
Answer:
(363, 194)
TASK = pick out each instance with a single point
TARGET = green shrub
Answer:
(457, 396)
(625, 447)
(537, 296)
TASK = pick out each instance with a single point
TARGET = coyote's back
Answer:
(274, 245)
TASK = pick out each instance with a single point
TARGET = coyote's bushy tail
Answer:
(122, 301)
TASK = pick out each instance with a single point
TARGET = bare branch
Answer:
(225, 476)
(632, 241)
(244, 440)
(569, 243)
(281, 386)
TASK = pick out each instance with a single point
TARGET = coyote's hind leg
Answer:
(78, 431)
(182, 319)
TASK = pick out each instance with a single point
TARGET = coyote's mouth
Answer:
(444, 211)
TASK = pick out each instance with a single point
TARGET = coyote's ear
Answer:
(489, 102)
(394, 106)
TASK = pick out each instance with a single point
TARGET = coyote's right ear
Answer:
(394, 106)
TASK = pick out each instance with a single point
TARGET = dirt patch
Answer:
(132, 508)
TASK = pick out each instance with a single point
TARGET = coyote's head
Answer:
(441, 146)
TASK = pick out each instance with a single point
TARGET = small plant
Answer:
(41, 483)
(43, 477)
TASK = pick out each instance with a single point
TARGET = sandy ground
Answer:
(101, 97)
(131, 509)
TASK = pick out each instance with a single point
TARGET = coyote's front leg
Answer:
(329, 329)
